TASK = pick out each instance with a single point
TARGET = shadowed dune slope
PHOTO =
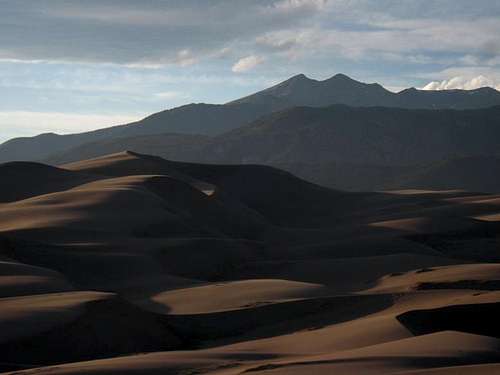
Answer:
(479, 318)
(397, 357)
(341, 274)
(141, 265)
(149, 205)
(273, 193)
(21, 180)
(18, 279)
(93, 326)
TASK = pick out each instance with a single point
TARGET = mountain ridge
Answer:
(342, 89)
(215, 119)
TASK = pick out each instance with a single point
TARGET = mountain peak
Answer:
(296, 83)
(337, 77)
(346, 80)
(300, 76)
(340, 76)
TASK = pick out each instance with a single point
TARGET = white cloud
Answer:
(298, 5)
(24, 123)
(462, 83)
(183, 58)
(418, 41)
(247, 63)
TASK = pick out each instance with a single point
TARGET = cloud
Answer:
(462, 83)
(247, 63)
(137, 34)
(288, 6)
(155, 34)
(25, 123)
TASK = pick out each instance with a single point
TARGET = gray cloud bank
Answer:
(152, 33)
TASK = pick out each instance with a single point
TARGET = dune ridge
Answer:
(130, 263)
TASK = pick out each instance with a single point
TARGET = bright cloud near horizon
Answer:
(69, 65)
(247, 63)
(462, 83)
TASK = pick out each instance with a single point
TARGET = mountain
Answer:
(370, 135)
(303, 91)
(341, 89)
(215, 119)
(183, 147)
(206, 119)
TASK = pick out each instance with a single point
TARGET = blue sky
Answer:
(69, 66)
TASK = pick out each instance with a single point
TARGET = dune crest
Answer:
(130, 263)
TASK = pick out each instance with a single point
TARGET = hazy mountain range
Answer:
(338, 132)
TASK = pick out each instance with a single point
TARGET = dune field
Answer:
(133, 264)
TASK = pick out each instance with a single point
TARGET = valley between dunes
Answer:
(133, 264)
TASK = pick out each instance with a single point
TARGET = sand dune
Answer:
(459, 370)
(148, 205)
(18, 177)
(260, 188)
(235, 295)
(469, 276)
(400, 356)
(227, 269)
(341, 274)
(79, 326)
(28, 315)
(477, 317)
(17, 279)
(430, 351)
(128, 163)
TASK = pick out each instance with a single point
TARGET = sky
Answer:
(70, 66)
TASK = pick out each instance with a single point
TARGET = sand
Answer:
(131, 264)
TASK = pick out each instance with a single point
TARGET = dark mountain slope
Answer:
(171, 146)
(374, 136)
(200, 118)
(208, 119)
(475, 173)
(380, 136)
